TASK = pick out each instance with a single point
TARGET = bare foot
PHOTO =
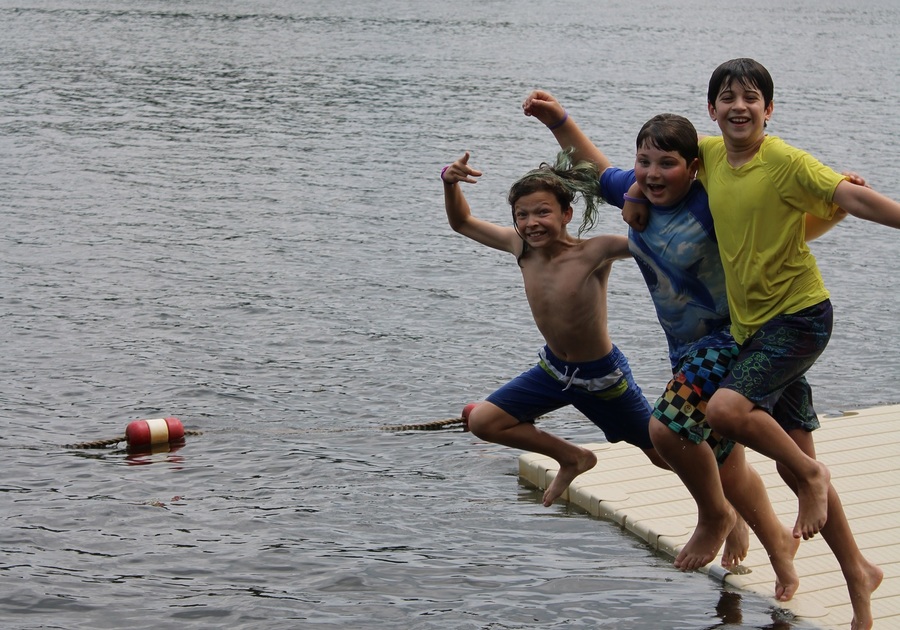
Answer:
(737, 544)
(861, 596)
(813, 498)
(786, 579)
(705, 542)
(566, 473)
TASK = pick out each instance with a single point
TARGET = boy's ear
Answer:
(769, 108)
(712, 110)
(693, 167)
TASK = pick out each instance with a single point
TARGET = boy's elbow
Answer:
(456, 224)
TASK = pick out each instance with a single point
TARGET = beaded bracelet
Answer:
(640, 200)
(561, 122)
(444, 170)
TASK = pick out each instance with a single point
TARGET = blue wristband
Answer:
(561, 122)
(640, 200)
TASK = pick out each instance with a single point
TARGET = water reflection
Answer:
(156, 453)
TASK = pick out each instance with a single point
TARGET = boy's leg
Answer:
(777, 355)
(861, 575)
(656, 459)
(680, 433)
(696, 466)
(743, 488)
(746, 491)
(740, 419)
(507, 418)
(716, 471)
(492, 424)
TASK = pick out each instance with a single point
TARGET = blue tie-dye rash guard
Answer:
(678, 256)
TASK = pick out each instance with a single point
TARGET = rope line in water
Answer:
(116, 440)
(434, 425)
(424, 426)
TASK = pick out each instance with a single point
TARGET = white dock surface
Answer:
(862, 450)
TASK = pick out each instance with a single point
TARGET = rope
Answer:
(424, 426)
(434, 425)
(116, 440)
(97, 443)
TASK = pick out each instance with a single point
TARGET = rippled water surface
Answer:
(229, 212)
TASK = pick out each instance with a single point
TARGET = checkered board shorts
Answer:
(682, 407)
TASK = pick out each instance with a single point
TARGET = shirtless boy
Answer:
(565, 281)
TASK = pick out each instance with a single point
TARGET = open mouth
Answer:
(655, 189)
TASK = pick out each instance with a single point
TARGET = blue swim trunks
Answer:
(603, 390)
(771, 366)
(682, 407)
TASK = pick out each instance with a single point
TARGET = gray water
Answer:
(230, 212)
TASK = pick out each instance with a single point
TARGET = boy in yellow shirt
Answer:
(760, 190)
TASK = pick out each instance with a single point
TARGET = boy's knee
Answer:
(727, 410)
(482, 421)
(488, 422)
(474, 422)
(718, 413)
(660, 434)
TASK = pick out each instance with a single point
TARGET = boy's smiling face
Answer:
(664, 177)
(539, 218)
(741, 112)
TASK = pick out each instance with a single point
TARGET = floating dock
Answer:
(862, 450)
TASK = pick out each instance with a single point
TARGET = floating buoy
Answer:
(154, 431)
(465, 415)
(142, 434)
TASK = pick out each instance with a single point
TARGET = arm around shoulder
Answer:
(816, 227)
(636, 209)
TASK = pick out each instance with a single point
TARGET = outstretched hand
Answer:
(460, 171)
(543, 106)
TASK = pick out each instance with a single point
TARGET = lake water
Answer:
(230, 212)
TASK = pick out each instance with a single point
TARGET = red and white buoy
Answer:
(154, 431)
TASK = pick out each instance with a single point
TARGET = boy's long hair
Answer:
(748, 72)
(670, 132)
(564, 180)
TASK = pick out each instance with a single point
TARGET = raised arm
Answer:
(543, 106)
(459, 215)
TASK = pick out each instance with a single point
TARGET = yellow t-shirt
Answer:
(758, 211)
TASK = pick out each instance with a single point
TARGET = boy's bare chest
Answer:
(558, 286)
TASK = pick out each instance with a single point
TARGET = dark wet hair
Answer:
(564, 180)
(748, 72)
(670, 132)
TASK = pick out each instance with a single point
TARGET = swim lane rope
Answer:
(144, 435)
